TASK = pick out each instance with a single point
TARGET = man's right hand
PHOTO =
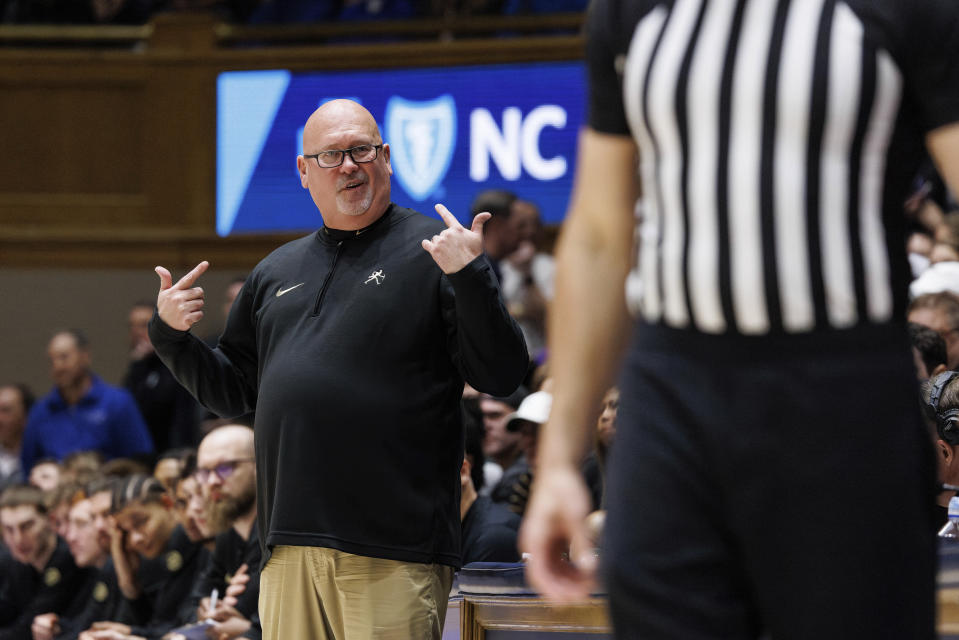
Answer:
(180, 305)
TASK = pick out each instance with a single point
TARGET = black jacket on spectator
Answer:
(167, 583)
(104, 603)
(171, 414)
(353, 348)
(489, 533)
(27, 592)
(232, 551)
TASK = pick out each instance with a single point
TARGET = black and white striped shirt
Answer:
(777, 140)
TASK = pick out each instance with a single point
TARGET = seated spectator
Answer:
(45, 474)
(227, 476)
(928, 351)
(82, 467)
(15, 403)
(57, 502)
(156, 563)
(169, 466)
(43, 577)
(939, 312)
(85, 531)
(123, 467)
(526, 421)
(941, 400)
(499, 233)
(191, 507)
(500, 446)
(605, 433)
(171, 414)
(919, 249)
(938, 277)
(489, 530)
(81, 412)
(527, 283)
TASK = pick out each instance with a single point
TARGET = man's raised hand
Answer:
(456, 246)
(180, 305)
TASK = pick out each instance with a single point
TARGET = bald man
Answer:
(353, 344)
(227, 478)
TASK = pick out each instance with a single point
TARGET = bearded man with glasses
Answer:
(353, 344)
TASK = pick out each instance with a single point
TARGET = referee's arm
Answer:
(943, 145)
(588, 330)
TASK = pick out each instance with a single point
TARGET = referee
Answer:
(770, 475)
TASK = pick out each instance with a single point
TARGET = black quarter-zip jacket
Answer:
(353, 352)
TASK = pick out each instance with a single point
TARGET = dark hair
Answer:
(929, 344)
(496, 201)
(136, 489)
(123, 467)
(61, 494)
(20, 495)
(473, 423)
(26, 396)
(188, 464)
(84, 465)
(98, 485)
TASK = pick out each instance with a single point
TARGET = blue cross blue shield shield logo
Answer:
(422, 136)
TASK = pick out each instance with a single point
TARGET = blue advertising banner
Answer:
(452, 131)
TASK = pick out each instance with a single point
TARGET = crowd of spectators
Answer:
(125, 551)
(124, 507)
(103, 538)
(268, 11)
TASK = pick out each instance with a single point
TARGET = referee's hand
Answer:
(555, 516)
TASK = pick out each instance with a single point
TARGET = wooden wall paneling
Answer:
(110, 159)
(75, 123)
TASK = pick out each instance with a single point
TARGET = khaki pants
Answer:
(309, 593)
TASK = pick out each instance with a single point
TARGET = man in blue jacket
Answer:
(81, 412)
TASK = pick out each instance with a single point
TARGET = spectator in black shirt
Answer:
(43, 577)
(155, 561)
(170, 412)
(87, 551)
(227, 476)
(489, 529)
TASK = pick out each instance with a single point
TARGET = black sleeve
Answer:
(484, 341)
(184, 427)
(247, 603)
(222, 379)
(605, 103)
(931, 58)
(49, 599)
(209, 578)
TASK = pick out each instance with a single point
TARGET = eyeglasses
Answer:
(334, 157)
(223, 470)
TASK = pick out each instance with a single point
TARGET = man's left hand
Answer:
(456, 246)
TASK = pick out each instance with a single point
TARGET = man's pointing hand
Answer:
(456, 246)
(180, 305)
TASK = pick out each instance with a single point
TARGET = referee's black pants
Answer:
(781, 487)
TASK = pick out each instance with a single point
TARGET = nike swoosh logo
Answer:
(280, 292)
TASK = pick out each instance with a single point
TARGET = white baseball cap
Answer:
(534, 408)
